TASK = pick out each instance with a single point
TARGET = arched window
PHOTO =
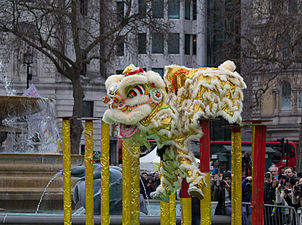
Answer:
(286, 96)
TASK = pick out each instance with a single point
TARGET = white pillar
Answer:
(201, 32)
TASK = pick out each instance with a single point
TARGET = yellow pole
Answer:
(186, 211)
(135, 189)
(236, 188)
(104, 160)
(89, 172)
(66, 171)
(164, 208)
(126, 219)
(164, 213)
(172, 211)
(205, 204)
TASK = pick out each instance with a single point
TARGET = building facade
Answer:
(181, 42)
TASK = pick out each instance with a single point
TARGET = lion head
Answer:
(131, 98)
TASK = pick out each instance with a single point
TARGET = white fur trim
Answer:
(228, 65)
(155, 78)
(107, 119)
(113, 79)
(131, 118)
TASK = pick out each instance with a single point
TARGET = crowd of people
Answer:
(149, 183)
(281, 187)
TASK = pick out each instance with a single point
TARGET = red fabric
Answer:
(140, 70)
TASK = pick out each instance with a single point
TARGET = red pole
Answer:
(186, 208)
(205, 147)
(184, 189)
(205, 204)
(258, 175)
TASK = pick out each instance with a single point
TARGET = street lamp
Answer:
(28, 60)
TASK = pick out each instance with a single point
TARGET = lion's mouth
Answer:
(126, 131)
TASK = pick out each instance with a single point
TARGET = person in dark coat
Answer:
(195, 204)
(222, 194)
(247, 194)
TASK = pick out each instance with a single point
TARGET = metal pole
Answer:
(164, 208)
(258, 175)
(135, 184)
(186, 208)
(104, 173)
(205, 204)
(27, 77)
(126, 184)
(89, 172)
(236, 187)
(172, 209)
(66, 171)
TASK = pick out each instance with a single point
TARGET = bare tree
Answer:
(271, 43)
(73, 33)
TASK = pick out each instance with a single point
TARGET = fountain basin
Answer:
(23, 178)
(16, 106)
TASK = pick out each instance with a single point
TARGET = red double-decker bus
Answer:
(281, 153)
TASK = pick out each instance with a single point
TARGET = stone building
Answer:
(275, 77)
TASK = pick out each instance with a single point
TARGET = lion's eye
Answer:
(112, 90)
(136, 91)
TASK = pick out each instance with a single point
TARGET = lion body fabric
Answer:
(146, 107)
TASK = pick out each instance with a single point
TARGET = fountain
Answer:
(27, 160)
(24, 174)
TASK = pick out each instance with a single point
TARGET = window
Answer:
(286, 96)
(158, 8)
(120, 46)
(299, 50)
(157, 43)
(87, 110)
(292, 6)
(299, 99)
(84, 7)
(274, 5)
(286, 50)
(159, 70)
(142, 8)
(194, 9)
(188, 9)
(275, 100)
(120, 11)
(26, 27)
(173, 9)
(194, 44)
(142, 43)
(187, 44)
(219, 131)
(173, 43)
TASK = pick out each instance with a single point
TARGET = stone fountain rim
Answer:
(25, 97)
(27, 155)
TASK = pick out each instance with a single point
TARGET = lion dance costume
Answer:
(144, 106)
